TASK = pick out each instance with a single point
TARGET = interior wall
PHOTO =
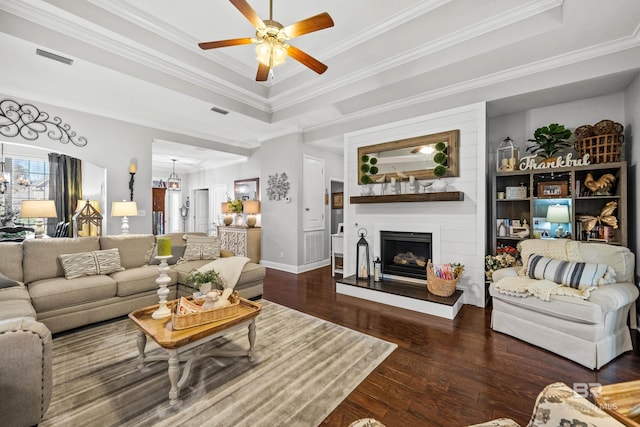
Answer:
(111, 145)
(632, 124)
(460, 225)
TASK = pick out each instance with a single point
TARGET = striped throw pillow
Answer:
(90, 263)
(578, 275)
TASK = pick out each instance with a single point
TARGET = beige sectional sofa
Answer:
(45, 301)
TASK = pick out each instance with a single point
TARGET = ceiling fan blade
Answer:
(225, 43)
(309, 25)
(248, 12)
(263, 72)
(306, 59)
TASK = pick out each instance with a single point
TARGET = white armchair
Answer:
(589, 331)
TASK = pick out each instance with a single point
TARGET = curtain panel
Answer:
(65, 187)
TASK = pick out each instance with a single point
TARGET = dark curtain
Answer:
(65, 187)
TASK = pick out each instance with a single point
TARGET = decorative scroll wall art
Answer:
(278, 186)
(29, 122)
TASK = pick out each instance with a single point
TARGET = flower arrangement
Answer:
(235, 206)
(506, 257)
(197, 278)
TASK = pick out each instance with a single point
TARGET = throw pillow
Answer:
(578, 275)
(91, 263)
(5, 282)
(200, 247)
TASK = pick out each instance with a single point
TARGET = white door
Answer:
(313, 193)
(201, 210)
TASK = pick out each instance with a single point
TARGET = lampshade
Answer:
(124, 209)
(558, 213)
(225, 208)
(251, 207)
(38, 209)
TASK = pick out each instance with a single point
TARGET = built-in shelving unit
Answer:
(569, 182)
(445, 196)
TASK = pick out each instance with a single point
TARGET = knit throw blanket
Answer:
(229, 269)
(543, 289)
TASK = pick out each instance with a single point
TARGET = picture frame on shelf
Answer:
(551, 189)
(337, 200)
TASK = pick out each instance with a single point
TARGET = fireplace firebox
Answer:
(405, 253)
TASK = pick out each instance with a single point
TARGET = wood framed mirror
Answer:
(416, 157)
(247, 189)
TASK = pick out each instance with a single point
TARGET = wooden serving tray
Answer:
(162, 332)
(618, 399)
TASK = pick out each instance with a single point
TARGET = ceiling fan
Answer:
(271, 37)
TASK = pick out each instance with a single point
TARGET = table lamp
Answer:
(38, 209)
(558, 214)
(124, 209)
(251, 208)
(227, 214)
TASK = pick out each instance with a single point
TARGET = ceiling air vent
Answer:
(219, 110)
(54, 56)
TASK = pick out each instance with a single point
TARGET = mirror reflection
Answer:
(423, 157)
(247, 189)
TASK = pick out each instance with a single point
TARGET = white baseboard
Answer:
(296, 269)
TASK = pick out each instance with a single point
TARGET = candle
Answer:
(164, 246)
(412, 179)
(133, 168)
(393, 180)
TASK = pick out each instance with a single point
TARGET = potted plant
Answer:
(196, 278)
(549, 140)
(236, 207)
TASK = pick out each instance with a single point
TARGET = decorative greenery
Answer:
(235, 206)
(197, 278)
(368, 168)
(549, 140)
(440, 158)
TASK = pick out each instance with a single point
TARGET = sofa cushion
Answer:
(16, 308)
(618, 257)
(579, 275)
(562, 249)
(135, 249)
(180, 239)
(19, 292)
(51, 294)
(135, 280)
(91, 263)
(41, 255)
(11, 260)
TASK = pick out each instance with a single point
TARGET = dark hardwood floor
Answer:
(444, 372)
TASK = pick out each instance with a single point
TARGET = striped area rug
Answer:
(304, 368)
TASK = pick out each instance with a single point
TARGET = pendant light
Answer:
(173, 183)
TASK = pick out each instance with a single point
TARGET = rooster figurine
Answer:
(601, 186)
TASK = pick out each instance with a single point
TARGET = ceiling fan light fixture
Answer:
(271, 53)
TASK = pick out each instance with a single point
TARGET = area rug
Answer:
(304, 368)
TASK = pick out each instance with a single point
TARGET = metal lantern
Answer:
(507, 156)
(362, 257)
(87, 221)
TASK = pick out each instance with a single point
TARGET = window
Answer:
(29, 181)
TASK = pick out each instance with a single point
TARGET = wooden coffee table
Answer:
(176, 342)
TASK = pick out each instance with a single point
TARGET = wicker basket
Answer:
(185, 321)
(438, 286)
(601, 148)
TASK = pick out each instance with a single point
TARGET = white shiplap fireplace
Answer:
(458, 228)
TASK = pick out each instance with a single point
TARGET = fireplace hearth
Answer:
(405, 254)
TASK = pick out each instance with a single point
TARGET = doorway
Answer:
(201, 210)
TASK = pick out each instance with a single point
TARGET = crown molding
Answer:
(288, 99)
(70, 25)
(585, 54)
